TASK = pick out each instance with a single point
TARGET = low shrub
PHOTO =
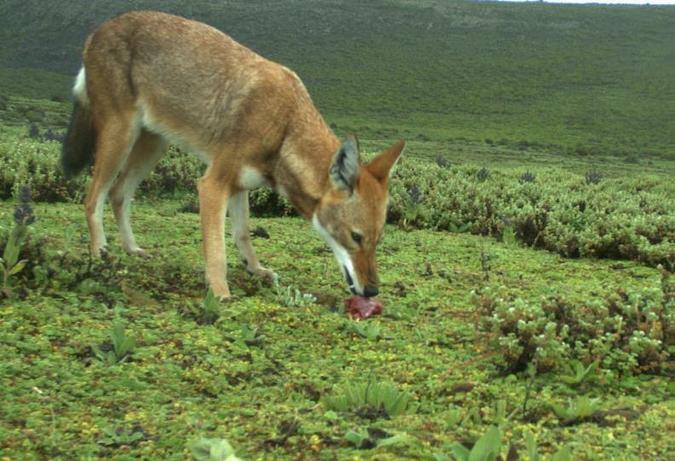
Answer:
(626, 333)
(570, 214)
(623, 218)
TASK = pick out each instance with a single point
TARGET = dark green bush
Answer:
(527, 176)
(593, 177)
(33, 131)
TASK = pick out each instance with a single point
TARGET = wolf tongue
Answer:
(361, 307)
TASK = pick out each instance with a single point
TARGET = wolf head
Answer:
(351, 215)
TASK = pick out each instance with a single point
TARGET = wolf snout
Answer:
(370, 290)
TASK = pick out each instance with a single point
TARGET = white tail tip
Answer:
(80, 88)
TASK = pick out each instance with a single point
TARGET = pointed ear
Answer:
(346, 163)
(381, 166)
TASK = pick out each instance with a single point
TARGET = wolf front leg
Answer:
(238, 209)
(213, 195)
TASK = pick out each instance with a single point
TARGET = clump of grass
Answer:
(578, 374)
(486, 448)
(443, 162)
(371, 400)
(290, 296)
(593, 177)
(527, 177)
(414, 194)
(52, 136)
(577, 410)
(489, 447)
(121, 436)
(120, 348)
(206, 312)
(33, 131)
(482, 174)
(368, 330)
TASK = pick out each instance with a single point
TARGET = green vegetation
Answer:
(627, 333)
(370, 400)
(107, 358)
(213, 450)
(589, 80)
(10, 264)
(527, 267)
(595, 214)
(35, 84)
(489, 448)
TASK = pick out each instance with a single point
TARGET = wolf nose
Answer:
(370, 291)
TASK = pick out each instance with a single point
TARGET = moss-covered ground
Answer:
(258, 375)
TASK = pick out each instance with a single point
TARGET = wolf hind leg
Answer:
(146, 153)
(114, 143)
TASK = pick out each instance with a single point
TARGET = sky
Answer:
(632, 2)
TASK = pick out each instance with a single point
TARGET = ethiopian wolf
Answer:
(149, 79)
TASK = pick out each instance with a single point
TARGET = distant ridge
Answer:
(587, 77)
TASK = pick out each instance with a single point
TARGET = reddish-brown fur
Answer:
(153, 78)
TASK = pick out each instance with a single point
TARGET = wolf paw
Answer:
(221, 291)
(267, 275)
(100, 251)
(138, 252)
(228, 299)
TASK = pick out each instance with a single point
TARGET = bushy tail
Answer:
(80, 141)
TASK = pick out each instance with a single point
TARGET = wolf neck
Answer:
(305, 159)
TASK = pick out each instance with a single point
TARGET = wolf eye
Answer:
(358, 238)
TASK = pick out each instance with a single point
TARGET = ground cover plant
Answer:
(527, 264)
(122, 358)
(580, 214)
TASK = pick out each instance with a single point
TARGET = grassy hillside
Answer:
(560, 78)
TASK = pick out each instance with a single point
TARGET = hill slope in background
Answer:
(590, 78)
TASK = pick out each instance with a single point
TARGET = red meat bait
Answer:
(361, 307)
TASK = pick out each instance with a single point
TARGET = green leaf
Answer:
(487, 447)
(460, 452)
(210, 301)
(531, 445)
(563, 454)
(398, 439)
(11, 253)
(135, 436)
(18, 267)
(331, 415)
(212, 450)
(356, 438)
(221, 450)
(560, 411)
(201, 450)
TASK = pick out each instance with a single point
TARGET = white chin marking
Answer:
(80, 88)
(341, 254)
